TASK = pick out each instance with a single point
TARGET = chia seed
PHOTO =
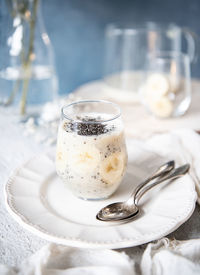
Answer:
(87, 129)
(104, 181)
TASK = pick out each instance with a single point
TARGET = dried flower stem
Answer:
(27, 65)
(26, 62)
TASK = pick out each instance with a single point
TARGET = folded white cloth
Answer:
(171, 257)
(161, 258)
(61, 260)
(182, 145)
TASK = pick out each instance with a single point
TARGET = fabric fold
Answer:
(171, 257)
(183, 146)
(55, 259)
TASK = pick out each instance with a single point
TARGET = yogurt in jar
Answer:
(91, 156)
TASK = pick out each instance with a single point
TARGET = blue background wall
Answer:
(76, 29)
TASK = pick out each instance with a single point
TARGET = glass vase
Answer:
(27, 73)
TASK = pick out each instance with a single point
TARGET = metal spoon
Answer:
(129, 209)
(161, 171)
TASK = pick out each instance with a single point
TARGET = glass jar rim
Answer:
(130, 28)
(91, 101)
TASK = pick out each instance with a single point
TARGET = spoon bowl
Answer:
(123, 210)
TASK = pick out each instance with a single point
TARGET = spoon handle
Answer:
(160, 172)
(176, 173)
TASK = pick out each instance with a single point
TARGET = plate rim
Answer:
(82, 243)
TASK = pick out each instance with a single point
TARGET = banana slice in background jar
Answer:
(157, 85)
(157, 95)
(161, 107)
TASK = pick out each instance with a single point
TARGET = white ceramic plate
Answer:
(40, 202)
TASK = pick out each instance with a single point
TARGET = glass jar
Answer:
(91, 153)
(166, 88)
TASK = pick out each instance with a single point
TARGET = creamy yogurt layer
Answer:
(91, 157)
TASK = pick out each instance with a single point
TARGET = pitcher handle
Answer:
(193, 41)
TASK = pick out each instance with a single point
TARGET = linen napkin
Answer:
(160, 258)
(61, 260)
(182, 145)
(171, 257)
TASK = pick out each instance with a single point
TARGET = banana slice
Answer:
(157, 85)
(113, 140)
(163, 107)
(112, 168)
(84, 159)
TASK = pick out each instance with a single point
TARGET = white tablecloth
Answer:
(15, 242)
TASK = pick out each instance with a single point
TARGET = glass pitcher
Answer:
(127, 47)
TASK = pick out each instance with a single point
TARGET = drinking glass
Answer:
(126, 50)
(91, 153)
(166, 89)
